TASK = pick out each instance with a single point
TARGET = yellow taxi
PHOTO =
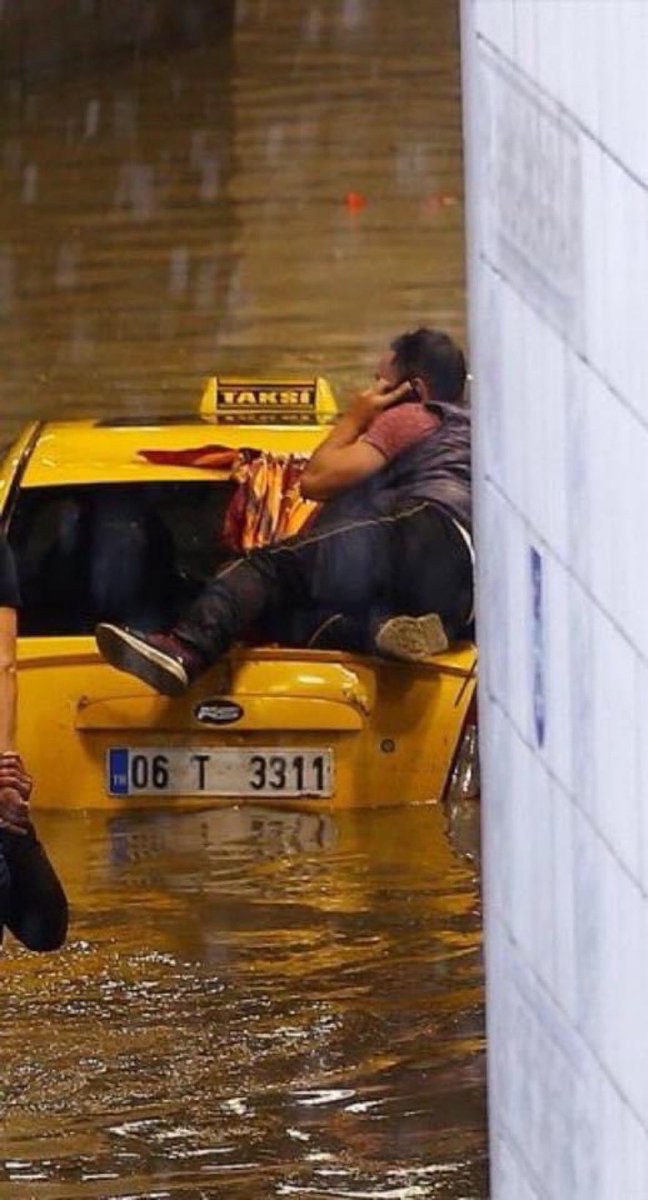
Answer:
(103, 533)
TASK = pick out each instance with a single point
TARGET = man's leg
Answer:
(5, 886)
(433, 594)
(433, 580)
(318, 629)
(427, 601)
(348, 567)
(36, 909)
(436, 568)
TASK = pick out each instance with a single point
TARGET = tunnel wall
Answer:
(557, 181)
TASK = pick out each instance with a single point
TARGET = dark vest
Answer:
(437, 468)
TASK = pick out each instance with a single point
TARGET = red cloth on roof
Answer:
(212, 457)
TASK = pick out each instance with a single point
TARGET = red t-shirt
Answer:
(399, 427)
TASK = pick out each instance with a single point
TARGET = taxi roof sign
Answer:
(240, 401)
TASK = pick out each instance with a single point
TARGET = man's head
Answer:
(431, 361)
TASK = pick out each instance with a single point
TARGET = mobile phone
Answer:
(412, 394)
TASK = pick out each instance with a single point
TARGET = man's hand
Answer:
(15, 790)
(14, 775)
(344, 459)
(366, 405)
(14, 811)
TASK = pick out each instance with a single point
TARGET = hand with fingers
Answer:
(15, 791)
(368, 404)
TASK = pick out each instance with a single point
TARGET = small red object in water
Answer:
(355, 201)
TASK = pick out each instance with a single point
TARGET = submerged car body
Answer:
(99, 533)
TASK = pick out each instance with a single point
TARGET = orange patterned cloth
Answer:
(267, 504)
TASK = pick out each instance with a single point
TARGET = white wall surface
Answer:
(556, 120)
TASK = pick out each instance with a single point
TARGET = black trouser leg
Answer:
(35, 907)
(348, 567)
(432, 573)
(435, 570)
(5, 883)
(412, 562)
(338, 631)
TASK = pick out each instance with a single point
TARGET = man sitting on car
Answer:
(389, 551)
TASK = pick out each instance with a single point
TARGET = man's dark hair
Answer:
(436, 358)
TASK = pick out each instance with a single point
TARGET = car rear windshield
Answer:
(130, 553)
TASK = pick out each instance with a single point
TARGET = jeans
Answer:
(409, 562)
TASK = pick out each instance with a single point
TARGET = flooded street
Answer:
(285, 196)
(252, 1003)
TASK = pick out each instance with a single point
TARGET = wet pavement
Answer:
(252, 1003)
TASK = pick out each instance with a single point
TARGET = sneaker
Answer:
(412, 639)
(159, 659)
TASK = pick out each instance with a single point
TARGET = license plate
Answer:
(203, 771)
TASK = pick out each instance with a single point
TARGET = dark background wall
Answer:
(59, 35)
(116, 152)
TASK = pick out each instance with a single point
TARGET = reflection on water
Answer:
(283, 195)
(253, 1003)
(118, 232)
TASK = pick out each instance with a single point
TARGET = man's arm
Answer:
(15, 785)
(7, 678)
(343, 458)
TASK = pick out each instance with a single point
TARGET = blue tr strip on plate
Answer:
(118, 772)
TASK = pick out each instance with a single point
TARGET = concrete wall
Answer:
(557, 159)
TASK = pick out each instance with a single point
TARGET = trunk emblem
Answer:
(218, 712)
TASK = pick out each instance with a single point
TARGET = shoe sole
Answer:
(412, 639)
(127, 653)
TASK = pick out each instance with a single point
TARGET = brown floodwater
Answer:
(281, 197)
(252, 1003)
